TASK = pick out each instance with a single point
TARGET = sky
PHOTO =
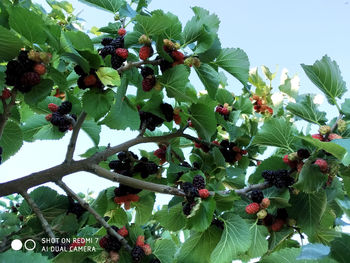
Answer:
(274, 33)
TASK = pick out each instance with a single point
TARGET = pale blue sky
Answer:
(271, 32)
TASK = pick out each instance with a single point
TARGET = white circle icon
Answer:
(16, 244)
(29, 247)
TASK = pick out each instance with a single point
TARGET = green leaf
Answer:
(28, 24)
(234, 61)
(286, 255)
(109, 5)
(80, 40)
(39, 92)
(122, 115)
(345, 107)
(175, 80)
(278, 197)
(268, 73)
(326, 75)
(212, 53)
(307, 110)
(164, 250)
(69, 52)
(345, 144)
(224, 96)
(203, 120)
(202, 28)
(20, 256)
(218, 158)
(257, 81)
(48, 132)
(275, 132)
(259, 243)
(243, 104)
(10, 44)
(46, 199)
(118, 217)
(152, 25)
(11, 140)
(235, 239)
(108, 76)
(199, 246)
(201, 218)
(340, 248)
(225, 202)
(32, 126)
(209, 78)
(171, 219)
(310, 178)
(345, 205)
(308, 210)
(331, 147)
(97, 104)
(93, 130)
(175, 28)
(144, 207)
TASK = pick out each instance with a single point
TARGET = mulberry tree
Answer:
(230, 199)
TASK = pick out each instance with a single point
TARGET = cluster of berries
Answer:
(75, 208)
(231, 151)
(141, 249)
(172, 49)
(0, 154)
(151, 121)
(260, 105)
(24, 72)
(161, 153)
(192, 190)
(111, 243)
(5, 94)
(295, 160)
(125, 165)
(115, 48)
(278, 178)
(276, 222)
(90, 80)
(259, 204)
(60, 117)
(325, 134)
(224, 110)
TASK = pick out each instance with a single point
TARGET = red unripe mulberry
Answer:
(252, 208)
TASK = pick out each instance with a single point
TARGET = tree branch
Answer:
(39, 214)
(252, 187)
(92, 211)
(74, 137)
(7, 111)
(135, 183)
(138, 64)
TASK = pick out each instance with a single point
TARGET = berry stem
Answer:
(74, 137)
(39, 214)
(92, 211)
(7, 110)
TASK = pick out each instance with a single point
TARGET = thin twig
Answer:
(138, 64)
(39, 214)
(74, 137)
(7, 110)
(135, 183)
(252, 187)
(92, 211)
